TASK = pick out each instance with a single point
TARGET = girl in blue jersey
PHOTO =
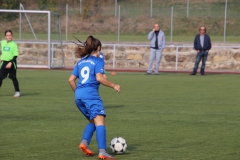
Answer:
(89, 72)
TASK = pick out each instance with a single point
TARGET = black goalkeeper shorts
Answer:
(10, 72)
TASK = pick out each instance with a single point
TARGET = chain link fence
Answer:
(179, 20)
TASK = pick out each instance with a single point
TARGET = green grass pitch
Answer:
(164, 117)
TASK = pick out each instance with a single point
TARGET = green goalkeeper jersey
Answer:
(9, 50)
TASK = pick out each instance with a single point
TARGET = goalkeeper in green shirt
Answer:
(8, 61)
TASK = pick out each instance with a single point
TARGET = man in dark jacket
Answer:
(202, 44)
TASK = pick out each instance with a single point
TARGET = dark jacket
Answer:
(207, 45)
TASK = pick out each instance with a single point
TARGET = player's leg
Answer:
(3, 72)
(1, 79)
(13, 77)
(98, 115)
(86, 139)
(99, 121)
(16, 86)
(88, 130)
(151, 60)
(88, 133)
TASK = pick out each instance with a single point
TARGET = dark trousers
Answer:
(202, 55)
(10, 72)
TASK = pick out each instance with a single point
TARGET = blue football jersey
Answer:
(101, 55)
(85, 70)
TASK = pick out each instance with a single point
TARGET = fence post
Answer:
(49, 40)
(176, 64)
(119, 25)
(115, 8)
(171, 23)
(187, 8)
(66, 22)
(20, 24)
(80, 7)
(59, 28)
(151, 9)
(114, 55)
(225, 25)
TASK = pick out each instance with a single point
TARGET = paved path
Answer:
(208, 71)
(184, 71)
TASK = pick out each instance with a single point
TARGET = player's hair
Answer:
(87, 47)
(8, 31)
(204, 28)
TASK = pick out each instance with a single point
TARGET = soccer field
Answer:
(162, 117)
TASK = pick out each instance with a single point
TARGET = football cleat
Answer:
(85, 150)
(105, 156)
(17, 94)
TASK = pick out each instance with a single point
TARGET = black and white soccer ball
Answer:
(118, 145)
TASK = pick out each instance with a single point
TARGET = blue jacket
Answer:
(161, 39)
(207, 45)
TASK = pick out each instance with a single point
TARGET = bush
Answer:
(9, 4)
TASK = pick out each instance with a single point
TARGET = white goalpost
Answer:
(49, 42)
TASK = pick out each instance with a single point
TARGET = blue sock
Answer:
(88, 132)
(101, 136)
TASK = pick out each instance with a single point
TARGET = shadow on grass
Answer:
(130, 148)
(113, 106)
(29, 94)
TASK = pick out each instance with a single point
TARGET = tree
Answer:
(47, 4)
(9, 4)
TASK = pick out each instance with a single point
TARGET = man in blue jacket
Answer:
(157, 44)
(202, 44)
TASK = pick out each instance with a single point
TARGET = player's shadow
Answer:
(113, 106)
(22, 94)
(29, 94)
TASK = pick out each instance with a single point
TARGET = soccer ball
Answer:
(118, 145)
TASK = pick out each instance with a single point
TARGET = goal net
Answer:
(38, 35)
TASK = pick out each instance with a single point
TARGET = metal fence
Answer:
(178, 50)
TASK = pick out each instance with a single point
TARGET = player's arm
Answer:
(9, 65)
(0, 57)
(15, 55)
(14, 59)
(72, 83)
(104, 74)
(100, 78)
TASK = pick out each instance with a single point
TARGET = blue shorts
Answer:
(90, 108)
